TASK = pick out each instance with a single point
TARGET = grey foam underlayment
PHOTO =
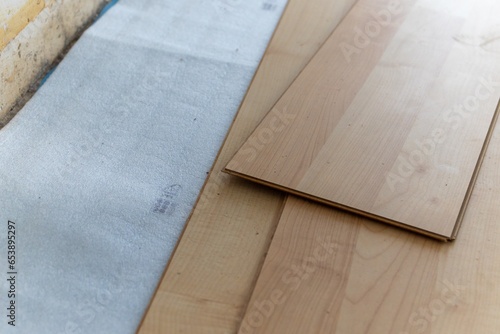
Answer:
(101, 169)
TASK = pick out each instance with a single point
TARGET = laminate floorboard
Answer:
(329, 271)
(392, 116)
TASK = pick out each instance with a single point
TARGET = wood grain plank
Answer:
(328, 271)
(380, 122)
(210, 278)
(301, 260)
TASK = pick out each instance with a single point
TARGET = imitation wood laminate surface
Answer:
(391, 117)
(210, 278)
(329, 271)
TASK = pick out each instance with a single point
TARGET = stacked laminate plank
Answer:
(396, 130)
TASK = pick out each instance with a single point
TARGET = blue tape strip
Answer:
(47, 76)
(106, 8)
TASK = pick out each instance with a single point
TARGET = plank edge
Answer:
(365, 214)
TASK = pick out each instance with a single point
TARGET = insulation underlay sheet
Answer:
(101, 169)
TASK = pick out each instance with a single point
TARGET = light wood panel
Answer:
(334, 272)
(390, 118)
(209, 280)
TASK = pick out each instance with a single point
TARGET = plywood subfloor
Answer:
(210, 278)
(391, 118)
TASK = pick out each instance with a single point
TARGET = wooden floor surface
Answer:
(209, 280)
(391, 117)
